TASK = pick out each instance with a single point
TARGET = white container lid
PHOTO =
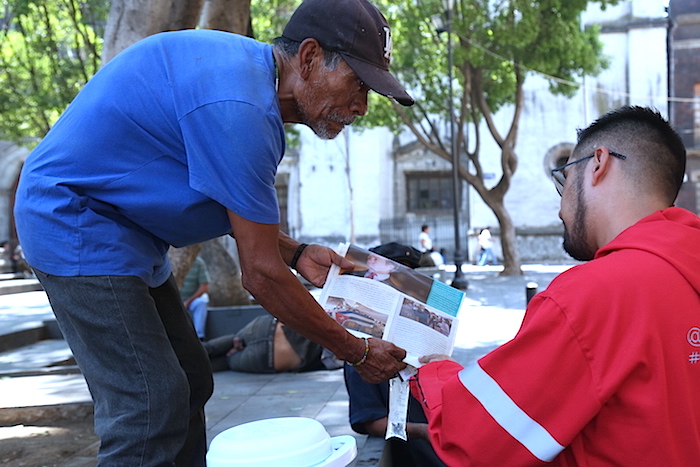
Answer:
(279, 442)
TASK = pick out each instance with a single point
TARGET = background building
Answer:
(371, 187)
(684, 73)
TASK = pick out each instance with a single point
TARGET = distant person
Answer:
(426, 246)
(438, 257)
(369, 415)
(605, 368)
(195, 297)
(19, 262)
(174, 142)
(485, 254)
(265, 345)
(6, 257)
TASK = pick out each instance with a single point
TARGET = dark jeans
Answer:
(148, 374)
(257, 357)
(258, 354)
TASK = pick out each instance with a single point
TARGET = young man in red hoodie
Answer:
(605, 369)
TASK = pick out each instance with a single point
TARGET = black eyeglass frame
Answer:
(559, 177)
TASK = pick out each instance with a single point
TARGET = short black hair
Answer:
(648, 141)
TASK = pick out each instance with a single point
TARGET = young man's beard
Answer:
(575, 238)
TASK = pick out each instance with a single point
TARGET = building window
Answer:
(429, 191)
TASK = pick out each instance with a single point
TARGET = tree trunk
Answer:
(495, 197)
(182, 259)
(512, 264)
(185, 14)
(132, 20)
(225, 286)
(228, 15)
(511, 256)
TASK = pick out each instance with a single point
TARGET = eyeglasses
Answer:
(559, 176)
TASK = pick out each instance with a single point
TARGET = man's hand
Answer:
(434, 358)
(237, 345)
(315, 262)
(417, 431)
(383, 361)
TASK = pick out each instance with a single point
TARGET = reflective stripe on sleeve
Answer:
(524, 429)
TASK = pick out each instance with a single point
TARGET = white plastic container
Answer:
(280, 442)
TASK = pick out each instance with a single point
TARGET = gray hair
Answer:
(290, 48)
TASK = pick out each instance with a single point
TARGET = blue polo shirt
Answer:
(154, 149)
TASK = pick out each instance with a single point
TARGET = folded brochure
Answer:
(381, 298)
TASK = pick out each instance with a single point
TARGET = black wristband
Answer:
(297, 254)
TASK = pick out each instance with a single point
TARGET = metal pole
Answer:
(459, 282)
(530, 291)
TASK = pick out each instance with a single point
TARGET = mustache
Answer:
(341, 119)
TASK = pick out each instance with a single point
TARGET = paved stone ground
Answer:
(493, 316)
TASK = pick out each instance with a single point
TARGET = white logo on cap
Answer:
(388, 46)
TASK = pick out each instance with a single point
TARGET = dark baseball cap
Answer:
(356, 30)
(404, 254)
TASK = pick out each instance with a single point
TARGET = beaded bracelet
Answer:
(364, 357)
(297, 254)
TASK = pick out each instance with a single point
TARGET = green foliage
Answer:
(270, 16)
(48, 51)
(496, 44)
(493, 41)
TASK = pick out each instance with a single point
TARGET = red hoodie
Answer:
(605, 370)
